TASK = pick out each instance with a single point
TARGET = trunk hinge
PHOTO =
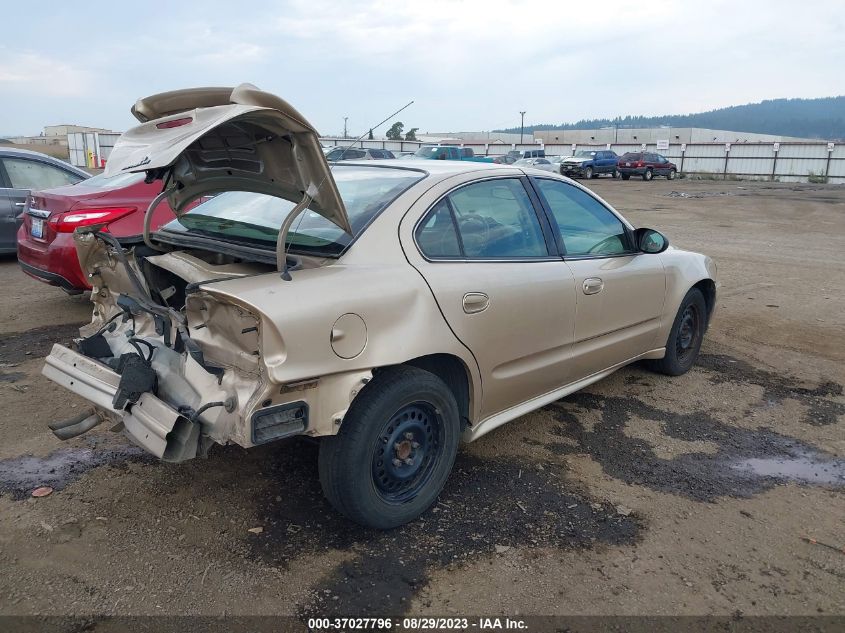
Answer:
(281, 254)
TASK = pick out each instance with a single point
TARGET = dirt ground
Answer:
(641, 495)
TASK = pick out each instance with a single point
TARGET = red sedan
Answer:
(46, 249)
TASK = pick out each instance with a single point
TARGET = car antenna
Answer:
(281, 248)
(376, 126)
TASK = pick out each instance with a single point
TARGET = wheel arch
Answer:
(454, 372)
(708, 289)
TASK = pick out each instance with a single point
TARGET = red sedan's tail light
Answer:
(69, 222)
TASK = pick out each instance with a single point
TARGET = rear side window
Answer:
(437, 236)
(493, 219)
(35, 175)
(587, 228)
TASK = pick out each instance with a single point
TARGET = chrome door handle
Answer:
(475, 302)
(592, 285)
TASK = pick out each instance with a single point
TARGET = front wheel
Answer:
(671, 175)
(394, 451)
(588, 173)
(685, 337)
(648, 174)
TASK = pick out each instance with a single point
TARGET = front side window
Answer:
(493, 219)
(587, 228)
(35, 175)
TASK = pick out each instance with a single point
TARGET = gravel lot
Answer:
(641, 495)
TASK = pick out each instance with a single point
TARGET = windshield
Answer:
(584, 154)
(111, 182)
(430, 152)
(254, 219)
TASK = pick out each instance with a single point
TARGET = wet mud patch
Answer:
(20, 475)
(822, 408)
(745, 462)
(487, 507)
(35, 343)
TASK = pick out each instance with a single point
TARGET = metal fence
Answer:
(781, 162)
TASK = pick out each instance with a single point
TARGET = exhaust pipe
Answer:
(77, 425)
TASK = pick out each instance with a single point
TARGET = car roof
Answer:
(17, 152)
(434, 167)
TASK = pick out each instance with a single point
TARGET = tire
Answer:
(671, 175)
(616, 174)
(626, 176)
(685, 338)
(404, 413)
(648, 174)
(588, 173)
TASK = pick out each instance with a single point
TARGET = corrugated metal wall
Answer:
(784, 162)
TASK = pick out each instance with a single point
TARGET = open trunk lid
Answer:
(203, 141)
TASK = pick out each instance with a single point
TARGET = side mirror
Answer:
(650, 241)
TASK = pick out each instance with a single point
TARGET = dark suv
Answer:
(647, 165)
(355, 153)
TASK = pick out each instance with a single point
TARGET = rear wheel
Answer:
(616, 173)
(685, 337)
(671, 175)
(588, 172)
(394, 451)
(648, 174)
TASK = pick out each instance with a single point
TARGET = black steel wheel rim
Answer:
(689, 333)
(407, 452)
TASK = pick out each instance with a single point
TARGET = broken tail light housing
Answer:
(275, 423)
(72, 220)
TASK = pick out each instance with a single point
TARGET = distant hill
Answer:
(822, 118)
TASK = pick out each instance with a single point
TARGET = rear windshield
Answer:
(631, 156)
(118, 181)
(254, 219)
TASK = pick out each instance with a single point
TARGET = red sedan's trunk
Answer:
(46, 249)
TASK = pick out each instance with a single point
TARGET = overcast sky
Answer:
(468, 65)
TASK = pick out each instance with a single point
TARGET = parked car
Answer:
(504, 160)
(46, 250)
(537, 163)
(450, 152)
(357, 153)
(590, 164)
(404, 309)
(647, 165)
(20, 172)
(518, 154)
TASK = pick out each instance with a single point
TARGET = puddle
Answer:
(804, 469)
(11, 376)
(822, 407)
(17, 347)
(20, 475)
(485, 504)
(700, 476)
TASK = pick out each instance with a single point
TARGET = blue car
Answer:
(590, 164)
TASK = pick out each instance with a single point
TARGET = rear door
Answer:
(489, 259)
(22, 175)
(620, 291)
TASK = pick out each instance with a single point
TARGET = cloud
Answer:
(39, 75)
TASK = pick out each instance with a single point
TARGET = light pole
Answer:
(521, 125)
(344, 126)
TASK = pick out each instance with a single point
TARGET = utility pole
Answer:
(521, 125)
(344, 127)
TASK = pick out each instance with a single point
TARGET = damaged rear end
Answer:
(175, 364)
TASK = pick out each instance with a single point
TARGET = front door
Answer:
(619, 291)
(488, 256)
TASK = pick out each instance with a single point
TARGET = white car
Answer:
(537, 163)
